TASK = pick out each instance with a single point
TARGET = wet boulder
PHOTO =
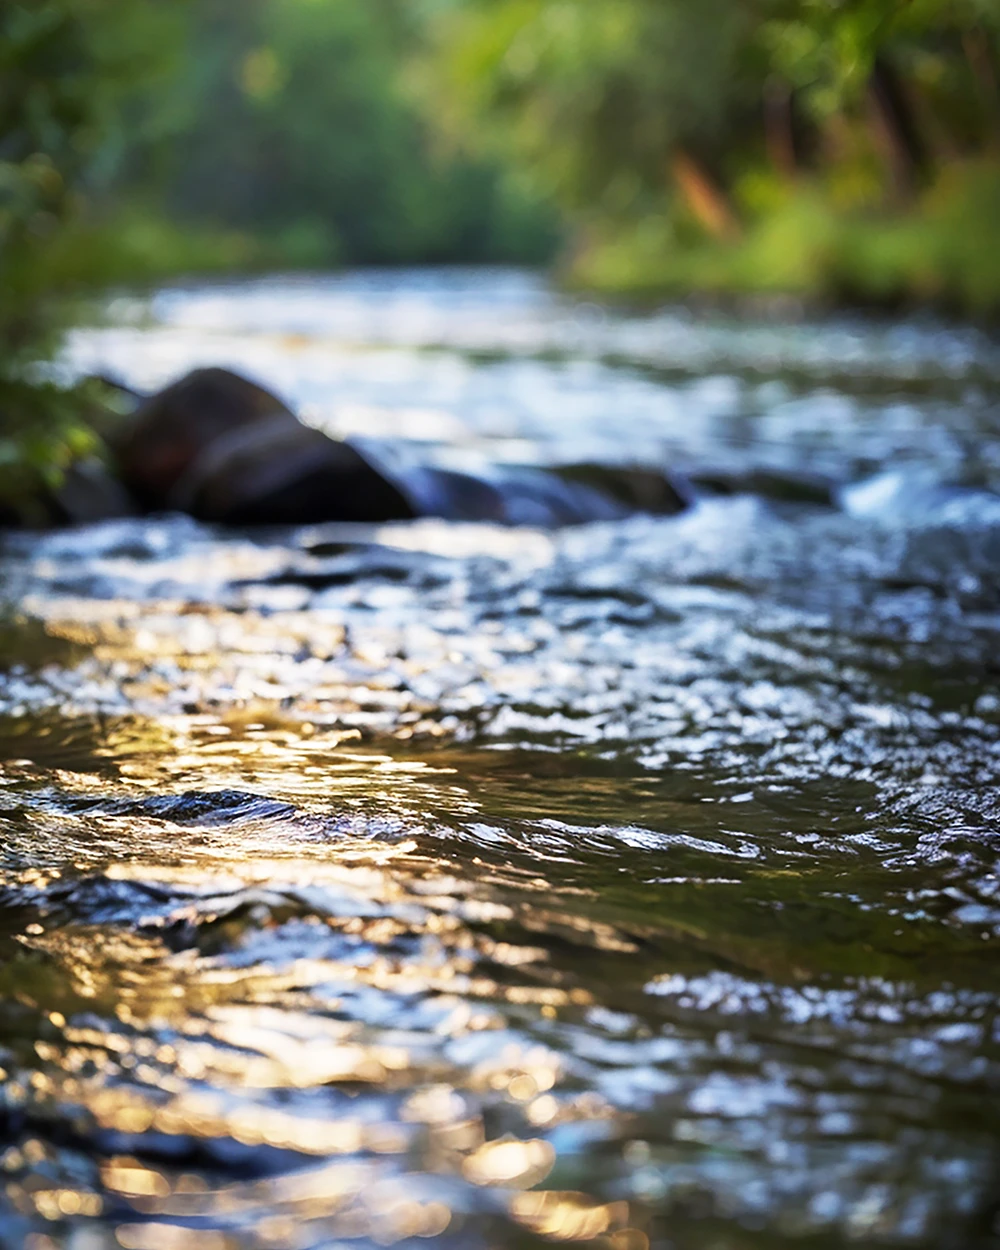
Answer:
(221, 448)
(90, 492)
(633, 488)
(547, 498)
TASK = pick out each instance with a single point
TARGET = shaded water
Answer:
(631, 886)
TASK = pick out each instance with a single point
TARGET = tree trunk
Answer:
(779, 127)
(897, 129)
(982, 62)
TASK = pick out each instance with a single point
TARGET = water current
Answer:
(632, 886)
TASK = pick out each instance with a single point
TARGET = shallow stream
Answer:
(633, 886)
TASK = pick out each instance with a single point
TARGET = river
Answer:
(633, 886)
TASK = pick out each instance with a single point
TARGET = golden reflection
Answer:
(434, 1104)
(338, 1200)
(38, 1241)
(521, 1073)
(56, 1204)
(134, 1179)
(225, 670)
(523, 1088)
(629, 1239)
(235, 999)
(542, 1111)
(511, 1163)
(169, 1237)
(568, 1216)
(79, 634)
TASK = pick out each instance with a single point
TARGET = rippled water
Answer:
(633, 886)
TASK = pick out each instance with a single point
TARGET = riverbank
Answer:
(938, 254)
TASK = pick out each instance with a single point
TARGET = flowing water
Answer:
(633, 886)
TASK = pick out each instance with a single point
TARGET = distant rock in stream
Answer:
(223, 449)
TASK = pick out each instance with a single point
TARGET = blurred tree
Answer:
(683, 121)
(63, 64)
(598, 94)
(289, 119)
(606, 100)
(63, 67)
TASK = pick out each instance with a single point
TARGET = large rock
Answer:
(89, 492)
(221, 448)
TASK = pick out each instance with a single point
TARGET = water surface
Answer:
(633, 886)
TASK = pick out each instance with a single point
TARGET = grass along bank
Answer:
(940, 251)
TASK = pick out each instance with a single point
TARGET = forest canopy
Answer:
(821, 147)
(843, 148)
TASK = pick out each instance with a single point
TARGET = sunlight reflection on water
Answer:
(636, 886)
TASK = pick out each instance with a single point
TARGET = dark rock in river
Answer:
(221, 448)
(90, 492)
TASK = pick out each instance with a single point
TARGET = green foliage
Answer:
(593, 95)
(941, 252)
(64, 65)
(831, 147)
(289, 120)
(136, 246)
(47, 119)
(827, 50)
(45, 428)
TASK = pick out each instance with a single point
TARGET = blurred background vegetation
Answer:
(829, 150)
